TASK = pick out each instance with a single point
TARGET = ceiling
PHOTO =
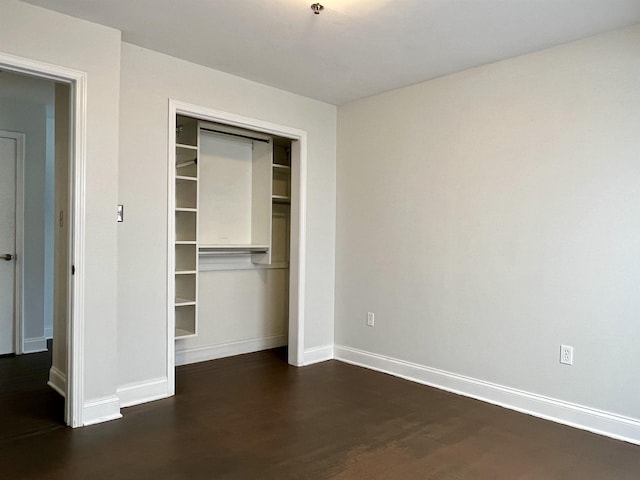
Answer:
(354, 48)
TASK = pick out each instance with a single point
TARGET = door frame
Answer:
(77, 80)
(298, 226)
(19, 138)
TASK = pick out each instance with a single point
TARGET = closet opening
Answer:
(235, 236)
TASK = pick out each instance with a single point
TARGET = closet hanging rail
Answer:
(222, 132)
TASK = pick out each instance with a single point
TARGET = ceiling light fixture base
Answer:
(317, 8)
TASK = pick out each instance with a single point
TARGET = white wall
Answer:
(488, 216)
(148, 81)
(26, 104)
(39, 34)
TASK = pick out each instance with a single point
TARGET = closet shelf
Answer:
(184, 145)
(183, 209)
(180, 333)
(281, 199)
(186, 158)
(183, 302)
(186, 272)
(232, 249)
(283, 168)
(190, 179)
(186, 242)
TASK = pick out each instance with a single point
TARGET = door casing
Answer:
(77, 80)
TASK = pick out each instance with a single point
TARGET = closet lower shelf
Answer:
(180, 333)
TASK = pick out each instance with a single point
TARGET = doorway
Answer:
(33, 112)
(27, 124)
(67, 356)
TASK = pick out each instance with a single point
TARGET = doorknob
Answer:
(7, 257)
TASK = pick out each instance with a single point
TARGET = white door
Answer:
(8, 161)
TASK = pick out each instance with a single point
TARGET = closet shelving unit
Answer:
(281, 202)
(232, 199)
(281, 190)
(186, 225)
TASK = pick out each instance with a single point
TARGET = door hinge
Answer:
(73, 269)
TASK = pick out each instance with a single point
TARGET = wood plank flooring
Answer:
(27, 404)
(255, 417)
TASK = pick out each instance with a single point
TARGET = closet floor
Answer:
(255, 417)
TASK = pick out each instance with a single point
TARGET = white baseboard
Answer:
(101, 410)
(48, 333)
(34, 345)
(596, 421)
(142, 392)
(57, 381)
(211, 352)
(318, 354)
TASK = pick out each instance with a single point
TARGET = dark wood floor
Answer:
(255, 417)
(27, 405)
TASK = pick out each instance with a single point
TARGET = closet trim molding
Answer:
(298, 235)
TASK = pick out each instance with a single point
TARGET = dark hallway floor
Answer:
(255, 417)
(27, 404)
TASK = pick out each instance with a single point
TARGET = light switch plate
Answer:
(370, 319)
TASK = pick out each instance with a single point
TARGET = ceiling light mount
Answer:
(317, 8)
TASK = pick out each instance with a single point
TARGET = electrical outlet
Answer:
(566, 355)
(370, 319)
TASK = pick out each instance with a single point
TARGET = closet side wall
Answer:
(148, 81)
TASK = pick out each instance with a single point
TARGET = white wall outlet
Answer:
(566, 355)
(370, 319)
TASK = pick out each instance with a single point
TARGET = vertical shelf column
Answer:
(186, 224)
(281, 203)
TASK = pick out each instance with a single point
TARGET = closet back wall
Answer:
(148, 81)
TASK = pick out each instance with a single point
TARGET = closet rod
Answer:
(220, 132)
